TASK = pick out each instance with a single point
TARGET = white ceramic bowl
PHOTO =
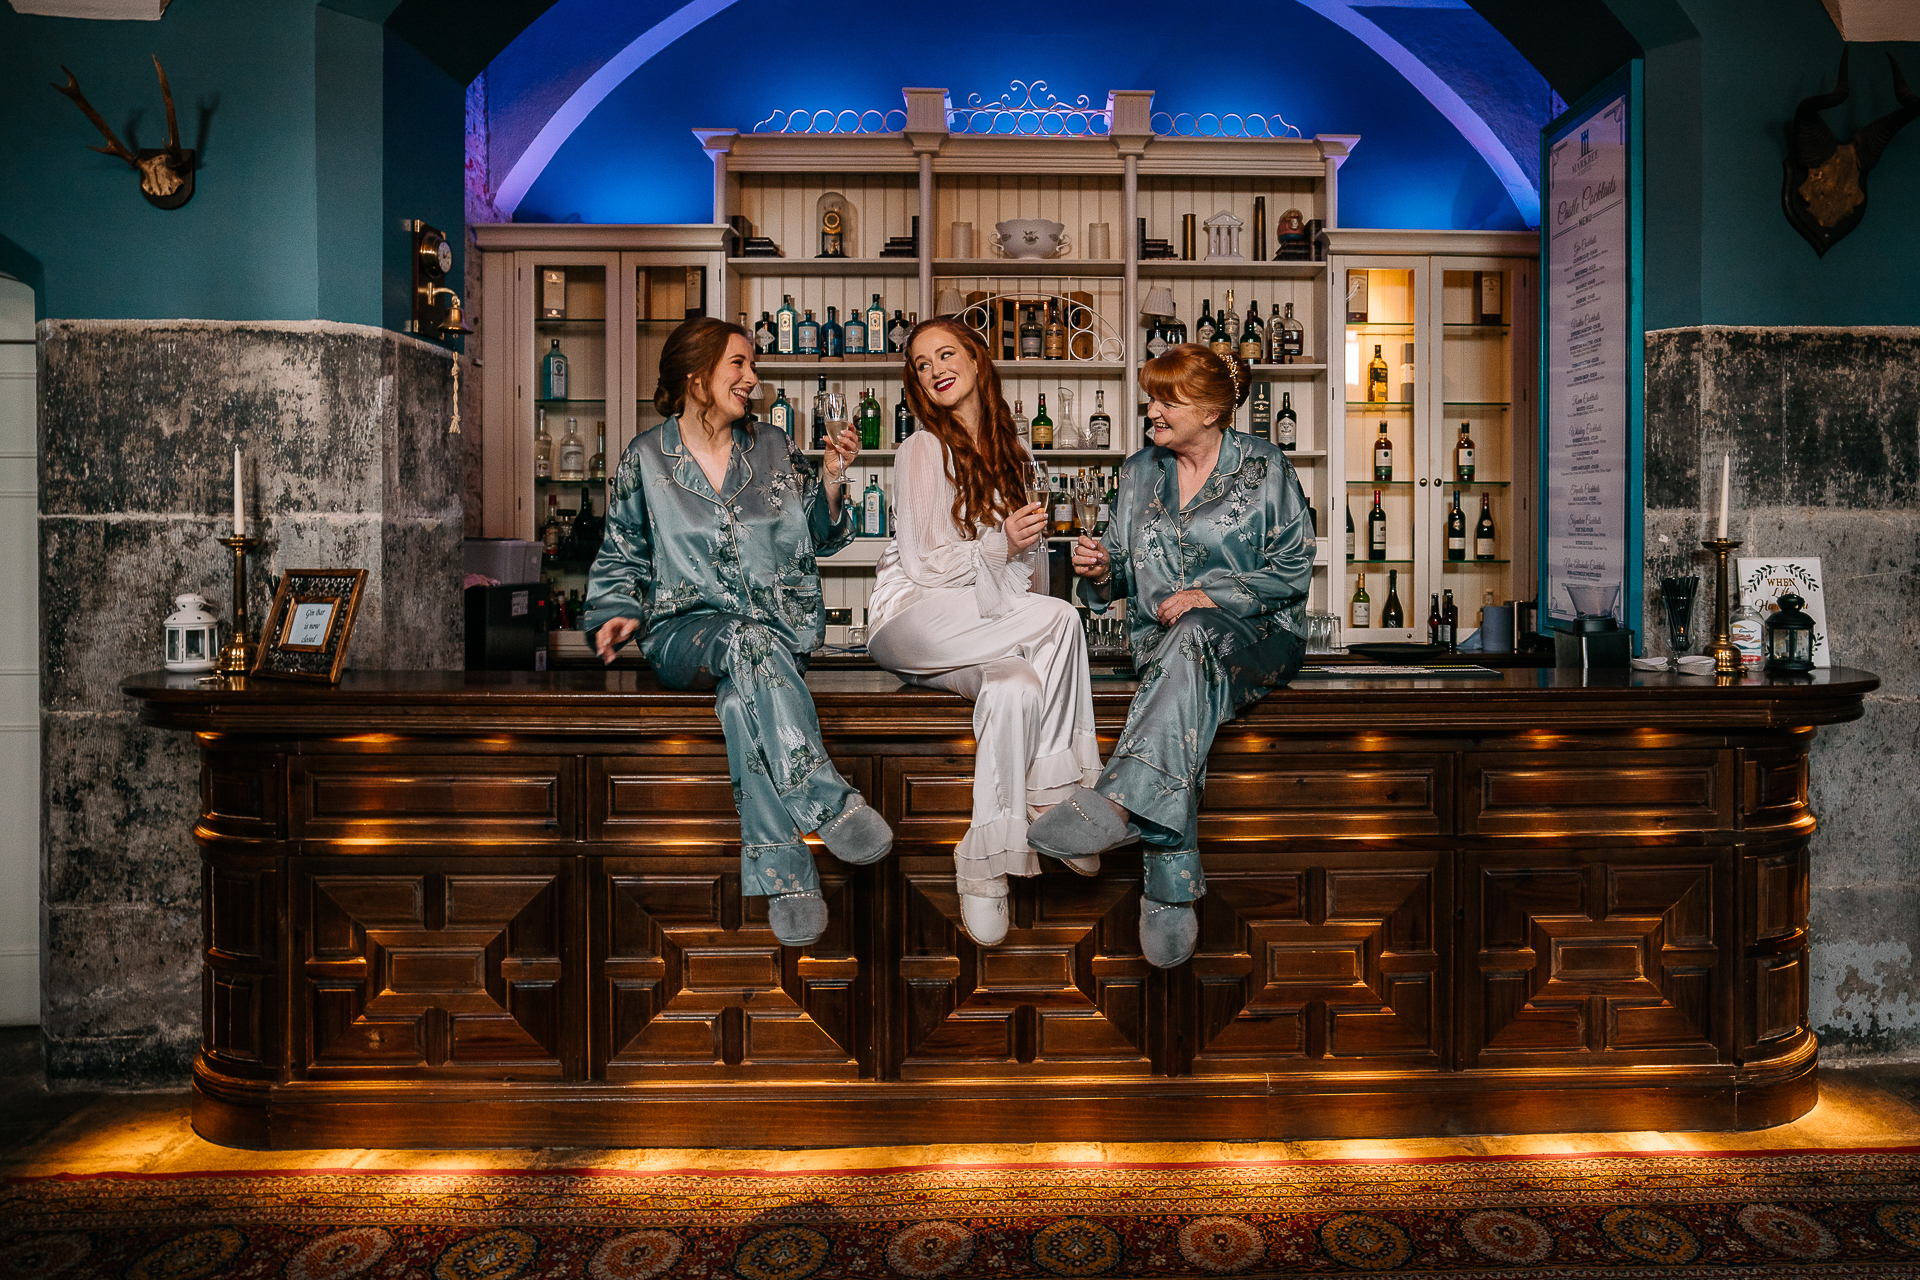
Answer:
(1030, 238)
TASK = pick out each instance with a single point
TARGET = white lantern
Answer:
(193, 636)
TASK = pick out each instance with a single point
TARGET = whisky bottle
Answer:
(1463, 456)
(853, 333)
(902, 419)
(1449, 623)
(873, 508)
(1260, 417)
(785, 322)
(1392, 615)
(1099, 425)
(1060, 519)
(1054, 341)
(1361, 610)
(1456, 530)
(1021, 426)
(1487, 300)
(1203, 327)
(1286, 427)
(897, 331)
(542, 447)
(1032, 337)
(869, 420)
(597, 464)
(1376, 378)
(807, 336)
(832, 337)
(1226, 328)
(780, 412)
(1376, 530)
(1253, 340)
(1382, 456)
(1042, 426)
(572, 462)
(876, 328)
(1293, 338)
(763, 334)
(1482, 529)
(553, 374)
(1433, 619)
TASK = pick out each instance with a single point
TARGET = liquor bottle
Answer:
(1203, 327)
(572, 461)
(1449, 623)
(807, 336)
(785, 322)
(1103, 513)
(1022, 427)
(876, 328)
(869, 420)
(1253, 339)
(902, 419)
(597, 464)
(542, 447)
(1483, 529)
(1293, 338)
(820, 415)
(1377, 378)
(1060, 525)
(1747, 630)
(1226, 328)
(873, 508)
(1406, 374)
(853, 333)
(832, 337)
(574, 612)
(1260, 419)
(1486, 295)
(1463, 456)
(1042, 426)
(1176, 329)
(1433, 619)
(1361, 610)
(550, 534)
(1157, 337)
(897, 331)
(1286, 427)
(553, 374)
(1392, 616)
(763, 334)
(1357, 296)
(1382, 456)
(1349, 530)
(1032, 337)
(1054, 341)
(1099, 425)
(1456, 530)
(1376, 530)
(780, 412)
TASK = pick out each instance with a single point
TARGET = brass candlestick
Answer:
(1726, 656)
(237, 658)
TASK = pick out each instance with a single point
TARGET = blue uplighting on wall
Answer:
(634, 159)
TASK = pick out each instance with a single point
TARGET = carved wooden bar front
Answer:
(460, 910)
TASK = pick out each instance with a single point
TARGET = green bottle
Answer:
(869, 420)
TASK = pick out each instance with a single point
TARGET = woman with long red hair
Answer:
(954, 607)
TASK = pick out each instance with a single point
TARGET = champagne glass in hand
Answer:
(1037, 488)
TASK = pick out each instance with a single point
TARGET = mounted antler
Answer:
(1825, 195)
(166, 173)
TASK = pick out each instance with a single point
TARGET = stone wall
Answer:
(349, 465)
(1824, 429)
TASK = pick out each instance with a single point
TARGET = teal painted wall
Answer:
(305, 171)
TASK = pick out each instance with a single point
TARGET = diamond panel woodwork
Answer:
(1597, 962)
(1067, 992)
(436, 972)
(690, 983)
(1317, 968)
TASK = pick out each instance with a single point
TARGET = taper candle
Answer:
(240, 513)
(1724, 462)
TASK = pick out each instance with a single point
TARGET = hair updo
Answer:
(692, 353)
(1193, 374)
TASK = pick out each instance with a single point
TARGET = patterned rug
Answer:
(1680, 1217)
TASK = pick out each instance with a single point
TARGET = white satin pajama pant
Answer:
(1026, 673)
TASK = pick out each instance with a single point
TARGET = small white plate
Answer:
(1650, 664)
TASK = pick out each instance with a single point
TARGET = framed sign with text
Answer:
(310, 624)
(1591, 357)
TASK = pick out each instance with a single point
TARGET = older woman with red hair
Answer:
(1210, 544)
(954, 607)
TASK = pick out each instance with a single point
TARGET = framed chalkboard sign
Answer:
(1591, 357)
(310, 624)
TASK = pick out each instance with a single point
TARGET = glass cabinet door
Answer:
(572, 378)
(1384, 455)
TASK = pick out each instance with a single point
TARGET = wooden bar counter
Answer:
(497, 909)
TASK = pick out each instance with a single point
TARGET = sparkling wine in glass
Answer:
(833, 408)
(1038, 489)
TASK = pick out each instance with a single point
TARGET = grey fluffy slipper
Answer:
(1168, 931)
(798, 919)
(1078, 827)
(858, 836)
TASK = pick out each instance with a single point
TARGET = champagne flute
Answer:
(1038, 489)
(1086, 506)
(833, 407)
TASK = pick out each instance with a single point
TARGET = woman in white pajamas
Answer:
(954, 608)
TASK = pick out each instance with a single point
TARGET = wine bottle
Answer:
(571, 462)
(1203, 327)
(806, 336)
(1260, 417)
(1021, 426)
(876, 328)
(832, 337)
(1382, 456)
(853, 333)
(1103, 514)
(1286, 425)
(553, 374)
(785, 323)
(902, 419)
(1054, 340)
(1293, 338)
(1449, 623)
(1376, 378)
(780, 412)
(869, 420)
(1483, 529)
(1392, 616)
(1376, 530)
(1361, 609)
(1433, 619)
(542, 447)
(1349, 530)
(1042, 426)
(1463, 456)
(1253, 342)
(1456, 530)
(1032, 337)
(597, 464)
(1099, 425)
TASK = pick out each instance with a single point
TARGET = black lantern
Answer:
(1790, 637)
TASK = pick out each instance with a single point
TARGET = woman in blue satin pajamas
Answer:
(714, 523)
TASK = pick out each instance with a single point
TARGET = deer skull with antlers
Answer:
(166, 173)
(1825, 194)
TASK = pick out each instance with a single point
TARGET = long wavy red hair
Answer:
(989, 479)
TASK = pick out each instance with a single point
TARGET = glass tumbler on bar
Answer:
(1677, 595)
